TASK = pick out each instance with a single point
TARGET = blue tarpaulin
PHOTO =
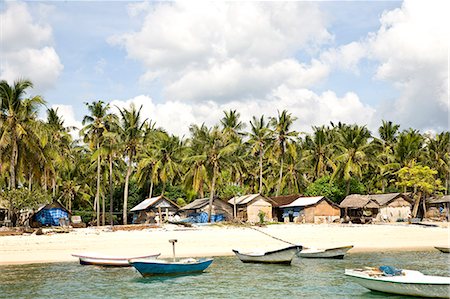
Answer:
(203, 218)
(51, 216)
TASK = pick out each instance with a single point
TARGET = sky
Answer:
(186, 62)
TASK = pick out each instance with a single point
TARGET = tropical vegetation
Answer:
(117, 159)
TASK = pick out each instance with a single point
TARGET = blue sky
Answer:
(187, 62)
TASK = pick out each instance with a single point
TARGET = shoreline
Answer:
(218, 240)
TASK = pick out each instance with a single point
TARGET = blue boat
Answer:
(161, 267)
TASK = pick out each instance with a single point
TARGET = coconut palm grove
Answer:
(116, 160)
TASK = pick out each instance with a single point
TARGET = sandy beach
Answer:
(217, 240)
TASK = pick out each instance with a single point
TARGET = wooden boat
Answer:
(443, 249)
(333, 253)
(279, 256)
(109, 261)
(162, 267)
(409, 283)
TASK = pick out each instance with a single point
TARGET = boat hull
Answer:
(281, 256)
(443, 249)
(156, 268)
(332, 253)
(430, 287)
(110, 261)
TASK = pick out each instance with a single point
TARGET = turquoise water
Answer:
(227, 277)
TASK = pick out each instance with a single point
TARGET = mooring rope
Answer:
(269, 235)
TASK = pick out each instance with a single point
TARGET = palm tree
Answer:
(95, 125)
(283, 135)
(352, 149)
(18, 118)
(438, 151)
(231, 125)
(132, 133)
(319, 150)
(259, 139)
(409, 148)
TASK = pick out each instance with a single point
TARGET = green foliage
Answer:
(25, 199)
(421, 178)
(261, 216)
(229, 191)
(181, 202)
(333, 189)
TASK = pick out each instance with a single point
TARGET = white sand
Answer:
(217, 240)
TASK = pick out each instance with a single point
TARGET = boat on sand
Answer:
(334, 253)
(401, 282)
(279, 256)
(109, 261)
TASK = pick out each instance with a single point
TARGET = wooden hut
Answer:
(390, 207)
(199, 209)
(317, 209)
(248, 207)
(393, 207)
(438, 208)
(282, 200)
(359, 208)
(3, 210)
(152, 209)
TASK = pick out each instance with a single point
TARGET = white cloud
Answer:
(411, 52)
(223, 51)
(67, 113)
(310, 109)
(26, 50)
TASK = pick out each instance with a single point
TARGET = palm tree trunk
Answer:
(111, 195)
(150, 192)
(347, 188)
(211, 196)
(97, 194)
(125, 193)
(260, 172)
(416, 204)
(280, 178)
(12, 184)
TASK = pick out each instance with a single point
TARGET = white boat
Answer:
(335, 253)
(109, 261)
(279, 256)
(409, 283)
(443, 249)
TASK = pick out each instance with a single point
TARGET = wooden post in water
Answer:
(173, 241)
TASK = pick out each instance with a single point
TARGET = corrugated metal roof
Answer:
(145, 204)
(196, 204)
(242, 200)
(383, 199)
(443, 199)
(303, 202)
(284, 199)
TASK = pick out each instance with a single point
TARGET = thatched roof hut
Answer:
(148, 209)
(358, 201)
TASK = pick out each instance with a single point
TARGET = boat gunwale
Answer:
(386, 279)
(270, 252)
(116, 258)
(163, 262)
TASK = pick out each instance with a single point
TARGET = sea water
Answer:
(227, 277)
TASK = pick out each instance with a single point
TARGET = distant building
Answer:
(199, 209)
(317, 209)
(248, 207)
(148, 210)
(390, 207)
(438, 207)
(281, 200)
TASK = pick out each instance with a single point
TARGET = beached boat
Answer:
(443, 249)
(279, 256)
(162, 267)
(406, 282)
(334, 253)
(109, 261)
